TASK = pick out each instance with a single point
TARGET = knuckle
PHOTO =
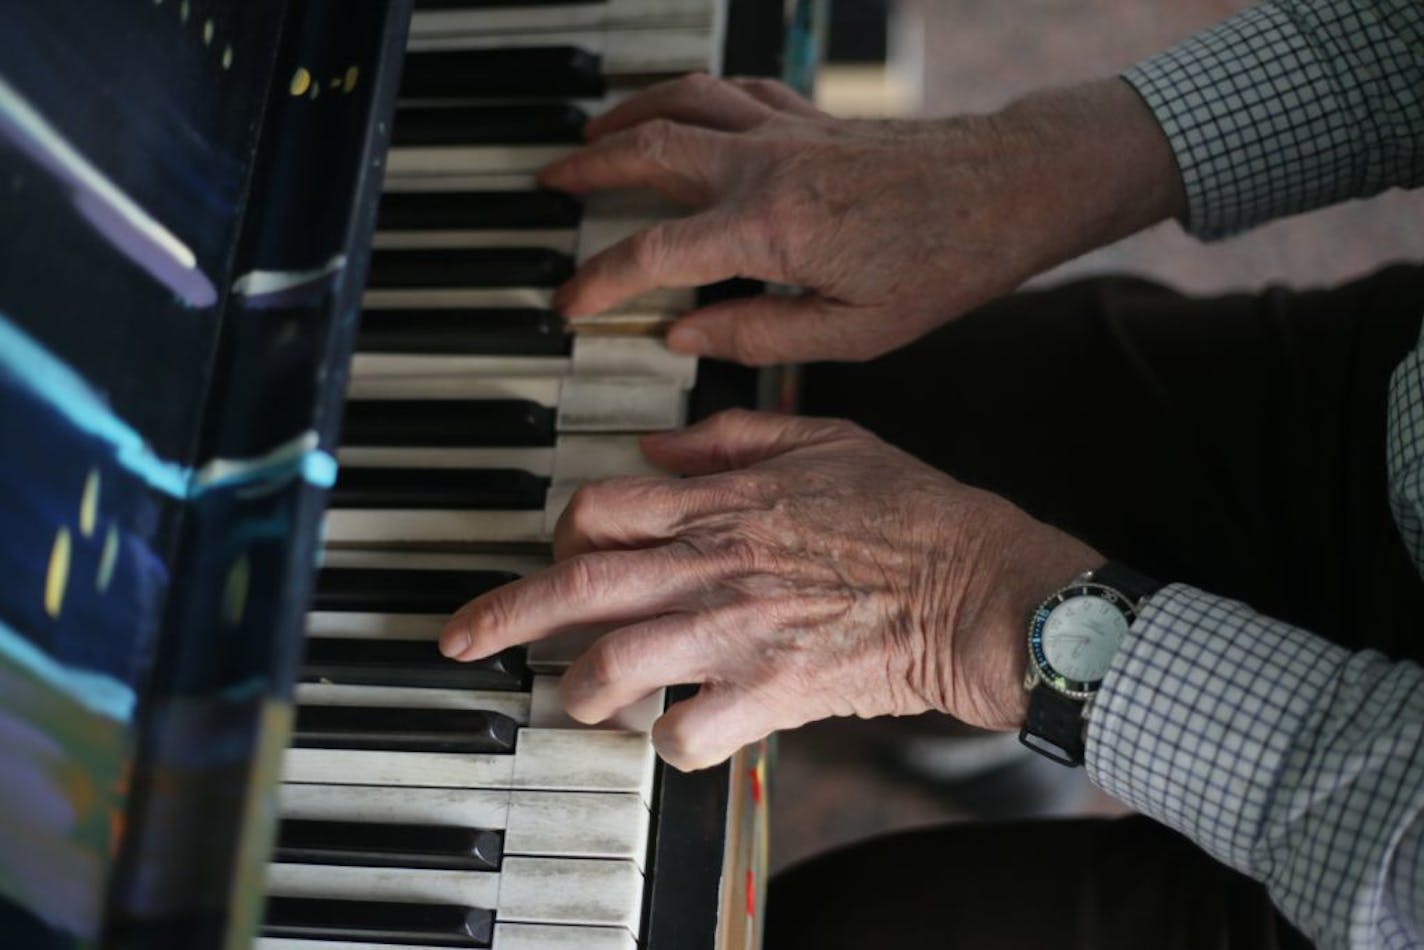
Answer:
(608, 662)
(681, 744)
(697, 84)
(648, 249)
(651, 138)
(580, 578)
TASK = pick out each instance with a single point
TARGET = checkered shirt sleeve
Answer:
(1291, 105)
(1289, 758)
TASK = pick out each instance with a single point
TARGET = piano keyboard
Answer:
(424, 802)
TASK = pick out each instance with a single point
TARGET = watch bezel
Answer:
(1039, 666)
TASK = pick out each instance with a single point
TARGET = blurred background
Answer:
(843, 780)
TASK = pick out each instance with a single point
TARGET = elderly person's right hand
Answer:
(891, 227)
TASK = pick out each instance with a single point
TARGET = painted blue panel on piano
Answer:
(182, 190)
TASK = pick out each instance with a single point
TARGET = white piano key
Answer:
(543, 388)
(521, 564)
(524, 890)
(541, 937)
(407, 526)
(572, 760)
(546, 710)
(577, 824)
(465, 888)
(641, 54)
(538, 298)
(572, 891)
(537, 18)
(554, 654)
(399, 375)
(589, 403)
(655, 304)
(496, 182)
(419, 161)
(536, 824)
(361, 624)
(506, 937)
(565, 241)
(620, 404)
(595, 355)
(535, 461)
(467, 808)
(586, 458)
(515, 705)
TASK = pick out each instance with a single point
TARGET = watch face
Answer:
(1075, 635)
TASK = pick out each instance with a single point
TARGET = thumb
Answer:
(735, 439)
(759, 331)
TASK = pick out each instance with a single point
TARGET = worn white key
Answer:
(590, 403)
(574, 760)
(521, 564)
(398, 375)
(535, 461)
(538, 298)
(565, 241)
(515, 705)
(506, 937)
(640, 54)
(419, 161)
(546, 710)
(653, 304)
(520, 18)
(542, 937)
(633, 356)
(361, 624)
(530, 890)
(406, 526)
(535, 824)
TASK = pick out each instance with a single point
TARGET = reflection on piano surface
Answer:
(190, 193)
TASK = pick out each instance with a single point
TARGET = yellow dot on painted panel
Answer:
(183, 10)
(208, 31)
(89, 504)
(107, 560)
(348, 83)
(239, 576)
(57, 577)
(227, 57)
(301, 81)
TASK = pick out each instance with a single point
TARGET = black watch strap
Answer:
(1124, 579)
(1055, 726)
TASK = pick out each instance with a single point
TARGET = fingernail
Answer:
(454, 642)
(687, 340)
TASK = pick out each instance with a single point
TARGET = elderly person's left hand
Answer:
(805, 569)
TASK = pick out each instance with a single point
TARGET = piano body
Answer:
(192, 197)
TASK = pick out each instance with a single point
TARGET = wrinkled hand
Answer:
(891, 226)
(805, 570)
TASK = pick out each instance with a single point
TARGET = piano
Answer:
(281, 388)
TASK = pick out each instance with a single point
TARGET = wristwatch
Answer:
(1072, 637)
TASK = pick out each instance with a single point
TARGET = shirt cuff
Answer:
(1199, 711)
(1255, 120)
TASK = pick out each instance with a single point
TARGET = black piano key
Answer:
(418, 663)
(402, 592)
(495, 489)
(532, 123)
(433, 925)
(397, 729)
(381, 845)
(469, 267)
(478, 210)
(448, 422)
(550, 71)
(494, 332)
